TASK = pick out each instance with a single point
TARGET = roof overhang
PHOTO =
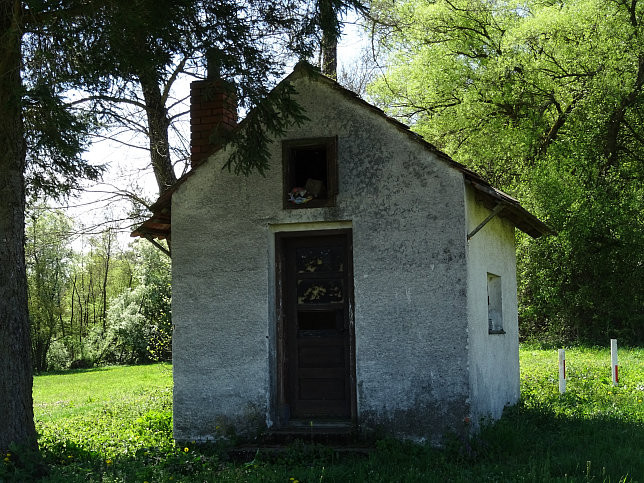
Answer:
(492, 198)
(158, 226)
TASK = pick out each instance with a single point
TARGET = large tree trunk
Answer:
(16, 404)
(329, 19)
(158, 126)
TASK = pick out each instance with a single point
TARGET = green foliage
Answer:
(124, 341)
(587, 283)
(545, 100)
(58, 357)
(96, 305)
(247, 43)
(154, 274)
(139, 326)
(56, 133)
(56, 137)
(271, 117)
(114, 424)
(48, 260)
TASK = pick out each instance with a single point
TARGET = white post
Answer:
(562, 371)
(613, 361)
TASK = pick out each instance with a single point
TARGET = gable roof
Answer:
(159, 225)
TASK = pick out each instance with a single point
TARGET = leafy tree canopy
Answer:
(137, 50)
(545, 99)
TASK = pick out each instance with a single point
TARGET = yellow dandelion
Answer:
(185, 450)
(108, 461)
(7, 459)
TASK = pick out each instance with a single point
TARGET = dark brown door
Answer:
(317, 295)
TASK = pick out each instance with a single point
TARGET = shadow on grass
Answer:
(600, 447)
(67, 372)
(527, 444)
(67, 461)
(87, 370)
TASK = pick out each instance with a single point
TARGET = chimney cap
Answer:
(213, 63)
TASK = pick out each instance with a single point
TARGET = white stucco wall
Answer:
(406, 210)
(493, 358)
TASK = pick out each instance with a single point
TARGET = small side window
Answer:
(494, 304)
(310, 172)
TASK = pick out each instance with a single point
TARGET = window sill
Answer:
(496, 332)
(319, 203)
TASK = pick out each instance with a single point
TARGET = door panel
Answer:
(316, 277)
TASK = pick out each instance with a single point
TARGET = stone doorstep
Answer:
(308, 436)
(339, 437)
(247, 453)
(333, 432)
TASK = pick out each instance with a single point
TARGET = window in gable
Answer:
(310, 172)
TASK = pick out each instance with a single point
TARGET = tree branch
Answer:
(617, 118)
(552, 133)
(102, 97)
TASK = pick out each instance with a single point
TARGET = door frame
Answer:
(281, 399)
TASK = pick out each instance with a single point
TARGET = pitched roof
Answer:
(159, 225)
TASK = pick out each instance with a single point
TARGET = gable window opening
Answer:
(494, 304)
(310, 173)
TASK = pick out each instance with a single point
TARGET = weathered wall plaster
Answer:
(493, 358)
(406, 208)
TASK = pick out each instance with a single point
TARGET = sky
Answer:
(128, 168)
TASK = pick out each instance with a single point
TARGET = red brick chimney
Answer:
(213, 114)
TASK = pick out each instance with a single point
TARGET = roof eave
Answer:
(512, 209)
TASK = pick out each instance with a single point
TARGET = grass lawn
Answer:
(114, 424)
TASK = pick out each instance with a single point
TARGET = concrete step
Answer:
(271, 452)
(314, 435)
(337, 438)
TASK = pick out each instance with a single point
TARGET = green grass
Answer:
(114, 424)
(65, 395)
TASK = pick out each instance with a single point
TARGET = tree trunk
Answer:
(329, 43)
(616, 121)
(158, 126)
(106, 267)
(329, 56)
(16, 404)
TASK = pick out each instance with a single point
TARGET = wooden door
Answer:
(317, 352)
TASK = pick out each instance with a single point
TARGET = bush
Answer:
(127, 333)
(138, 328)
(57, 356)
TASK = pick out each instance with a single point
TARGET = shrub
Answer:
(57, 356)
(127, 333)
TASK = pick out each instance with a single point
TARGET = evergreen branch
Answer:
(103, 97)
